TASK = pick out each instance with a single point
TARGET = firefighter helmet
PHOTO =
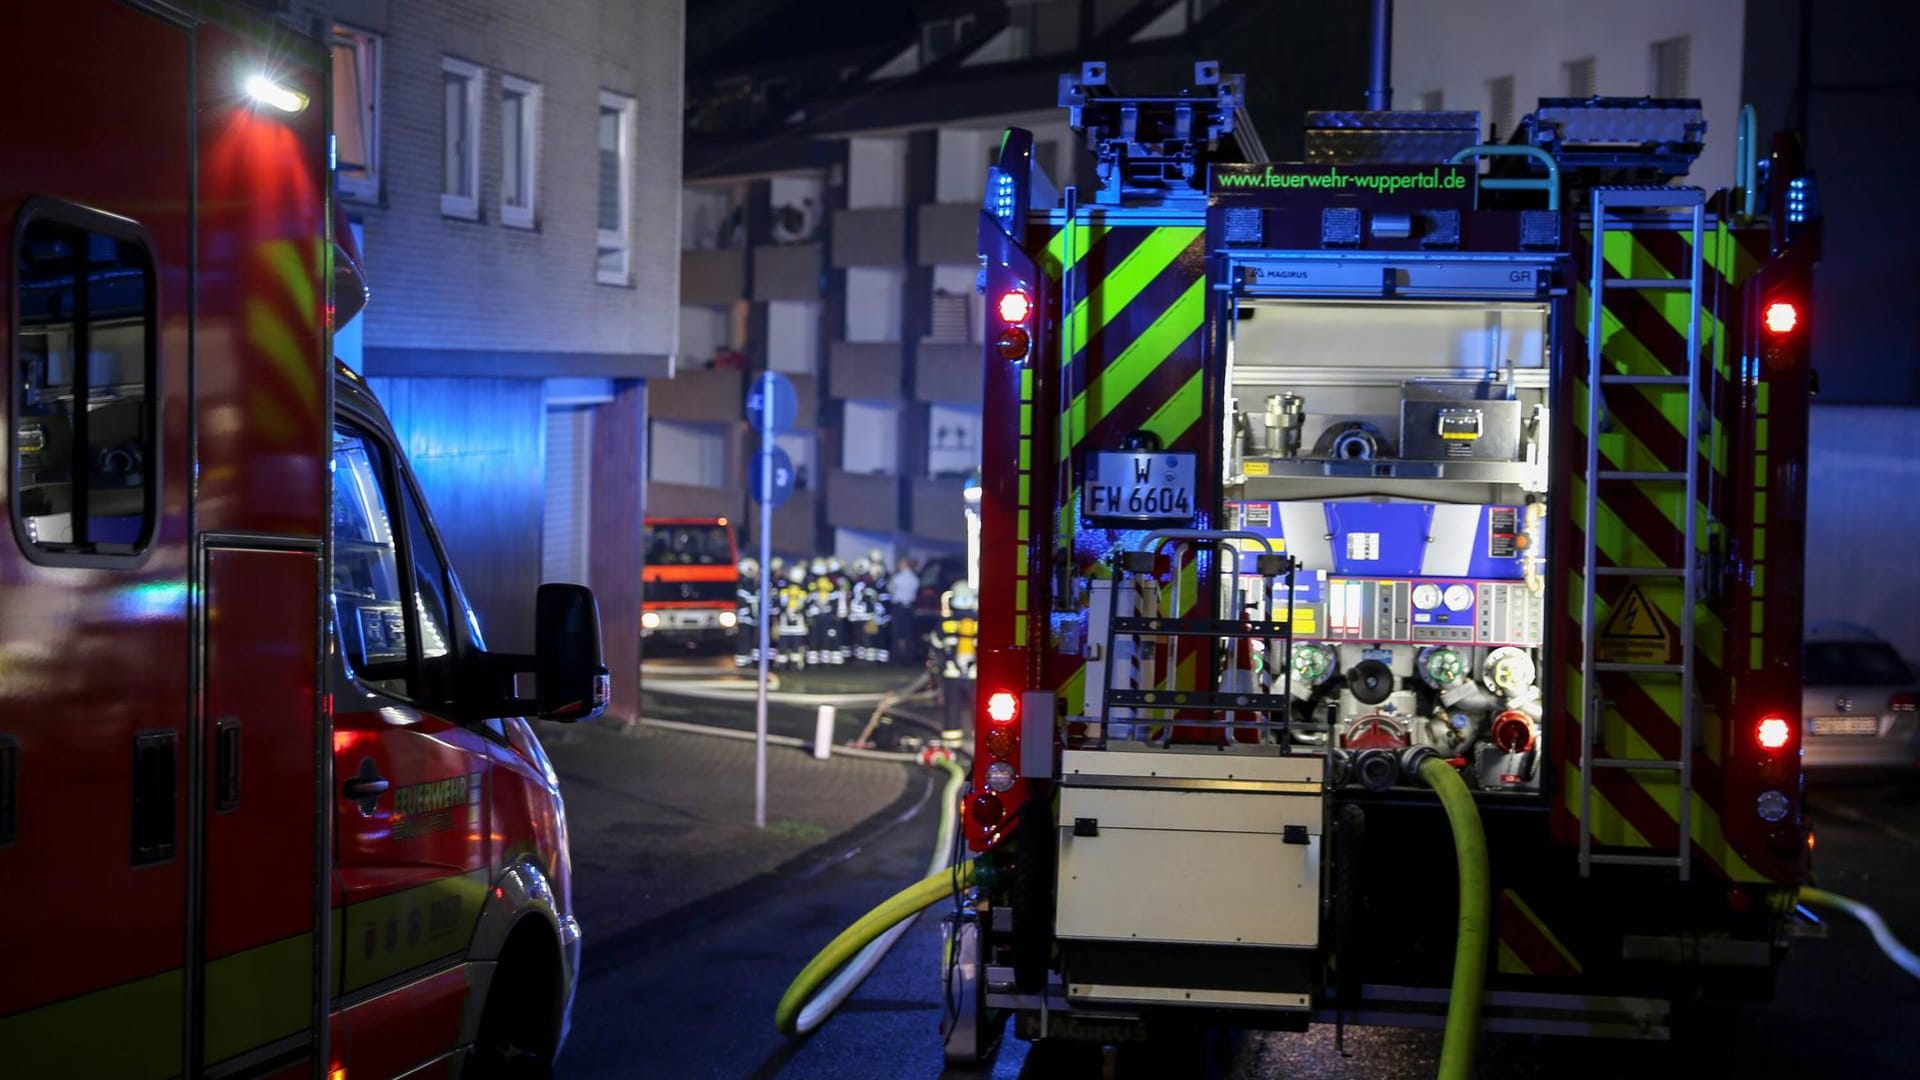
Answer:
(797, 573)
(819, 568)
(749, 568)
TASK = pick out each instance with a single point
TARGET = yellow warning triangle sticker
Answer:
(1634, 632)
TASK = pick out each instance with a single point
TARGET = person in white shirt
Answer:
(902, 589)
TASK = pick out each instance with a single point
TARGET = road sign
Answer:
(782, 476)
(771, 386)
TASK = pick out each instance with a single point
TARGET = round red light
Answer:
(1782, 317)
(1014, 307)
(1011, 344)
(999, 742)
(988, 810)
(1773, 732)
(1002, 707)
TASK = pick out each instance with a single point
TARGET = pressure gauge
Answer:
(1311, 662)
(1459, 597)
(1426, 597)
(1509, 671)
(1442, 667)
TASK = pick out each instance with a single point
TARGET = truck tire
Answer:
(520, 1022)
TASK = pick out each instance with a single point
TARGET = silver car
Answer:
(1858, 702)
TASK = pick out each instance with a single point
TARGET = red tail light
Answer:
(1773, 732)
(1014, 306)
(1002, 707)
(1012, 343)
(1781, 317)
(1902, 703)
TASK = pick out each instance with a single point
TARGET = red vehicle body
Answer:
(267, 806)
(691, 581)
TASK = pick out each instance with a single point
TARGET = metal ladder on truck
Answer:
(1277, 635)
(1689, 205)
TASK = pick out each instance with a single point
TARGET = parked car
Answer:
(1858, 702)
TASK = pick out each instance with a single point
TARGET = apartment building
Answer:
(512, 173)
(831, 207)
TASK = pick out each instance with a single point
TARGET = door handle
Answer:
(366, 786)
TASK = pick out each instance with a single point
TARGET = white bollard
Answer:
(823, 733)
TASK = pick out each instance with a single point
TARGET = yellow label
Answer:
(1254, 468)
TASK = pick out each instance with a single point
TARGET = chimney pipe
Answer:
(1379, 91)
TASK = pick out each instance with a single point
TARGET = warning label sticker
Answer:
(1634, 633)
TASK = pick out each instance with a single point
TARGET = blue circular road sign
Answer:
(771, 404)
(782, 476)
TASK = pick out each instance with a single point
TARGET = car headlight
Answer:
(728, 619)
(650, 620)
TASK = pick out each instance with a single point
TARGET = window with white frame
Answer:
(519, 150)
(616, 195)
(356, 113)
(460, 147)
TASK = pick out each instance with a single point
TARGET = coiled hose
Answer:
(1476, 920)
(1902, 957)
(839, 969)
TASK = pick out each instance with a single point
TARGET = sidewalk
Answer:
(661, 819)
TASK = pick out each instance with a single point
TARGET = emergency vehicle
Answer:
(268, 806)
(1302, 476)
(691, 581)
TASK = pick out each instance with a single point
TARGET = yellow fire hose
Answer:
(852, 948)
(1476, 920)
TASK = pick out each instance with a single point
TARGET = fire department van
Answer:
(268, 805)
(691, 582)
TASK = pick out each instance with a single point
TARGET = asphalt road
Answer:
(697, 1000)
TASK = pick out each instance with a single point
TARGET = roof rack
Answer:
(1153, 146)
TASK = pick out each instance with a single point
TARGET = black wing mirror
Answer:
(570, 677)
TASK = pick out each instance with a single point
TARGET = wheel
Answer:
(520, 1022)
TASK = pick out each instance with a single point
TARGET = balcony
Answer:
(713, 277)
(873, 237)
(870, 503)
(939, 509)
(949, 373)
(868, 370)
(795, 527)
(700, 395)
(786, 272)
(949, 234)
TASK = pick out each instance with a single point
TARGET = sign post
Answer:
(770, 408)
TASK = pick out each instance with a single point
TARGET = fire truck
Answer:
(268, 806)
(1304, 477)
(691, 581)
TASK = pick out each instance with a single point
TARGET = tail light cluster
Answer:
(1902, 702)
(1015, 311)
(999, 746)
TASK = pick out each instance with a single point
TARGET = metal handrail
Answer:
(1550, 185)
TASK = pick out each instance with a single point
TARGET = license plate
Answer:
(1844, 725)
(1140, 487)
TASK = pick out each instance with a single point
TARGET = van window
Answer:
(85, 463)
(689, 545)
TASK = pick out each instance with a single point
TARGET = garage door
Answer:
(563, 551)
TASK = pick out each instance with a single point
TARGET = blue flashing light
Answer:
(1000, 196)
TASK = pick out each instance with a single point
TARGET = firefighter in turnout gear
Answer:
(790, 651)
(746, 647)
(861, 610)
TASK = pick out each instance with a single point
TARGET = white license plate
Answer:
(1140, 486)
(1844, 725)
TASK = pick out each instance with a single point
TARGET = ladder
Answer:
(1688, 204)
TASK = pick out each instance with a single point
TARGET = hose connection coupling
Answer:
(1413, 757)
(1378, 769)
(1339, 768)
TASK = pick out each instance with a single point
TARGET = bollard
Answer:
(823, 733)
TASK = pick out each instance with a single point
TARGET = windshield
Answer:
(1854, 663)
(689, 545)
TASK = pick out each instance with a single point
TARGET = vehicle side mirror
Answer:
(571, 682)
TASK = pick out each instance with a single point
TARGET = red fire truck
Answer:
(691, 582)
(1302, 476)
(268, 807)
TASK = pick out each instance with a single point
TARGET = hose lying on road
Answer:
(1902, 956)
(1470, 946)
(849, 958)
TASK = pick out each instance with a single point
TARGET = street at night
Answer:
(971, 539)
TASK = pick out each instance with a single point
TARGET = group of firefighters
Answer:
(826, 613)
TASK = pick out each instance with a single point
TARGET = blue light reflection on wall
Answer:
(150, 600)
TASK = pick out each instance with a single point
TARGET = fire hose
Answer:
(1902, 957)
(839, 969)
(1470, 944)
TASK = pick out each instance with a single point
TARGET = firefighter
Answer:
(880, 629)
(839, 628)
(746, 639)
(791, 652)
(860, 610)
(959, 626)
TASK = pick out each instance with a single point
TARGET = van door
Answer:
(411, 813)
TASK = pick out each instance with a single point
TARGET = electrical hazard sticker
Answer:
(1634, 633)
